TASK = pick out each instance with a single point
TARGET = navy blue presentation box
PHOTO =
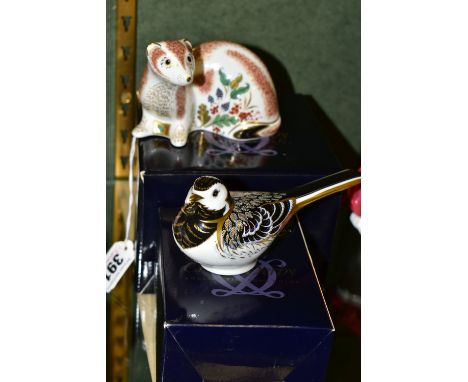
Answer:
(270, 324)
(297, 154)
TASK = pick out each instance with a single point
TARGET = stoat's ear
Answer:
(187, 42)
(153, 52)
(152, 47)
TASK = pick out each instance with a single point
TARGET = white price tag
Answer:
(118, 259)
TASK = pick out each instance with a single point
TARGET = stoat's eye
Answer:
(167, 62)
(215, 193)
(189, 58)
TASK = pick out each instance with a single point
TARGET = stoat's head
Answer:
(210, 192)
(172, 60)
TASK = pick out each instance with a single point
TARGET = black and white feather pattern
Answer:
(194, 224)
(254, 222)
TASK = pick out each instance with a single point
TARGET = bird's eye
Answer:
(189, 58)
(167, 62)
(215, 193)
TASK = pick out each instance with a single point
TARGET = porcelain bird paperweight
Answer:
(226, 233)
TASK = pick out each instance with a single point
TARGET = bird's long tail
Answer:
(323, 187)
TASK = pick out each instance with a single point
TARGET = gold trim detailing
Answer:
(248, 127)
(328, 191)
(161, 128)
(195, 198)
(219, 228)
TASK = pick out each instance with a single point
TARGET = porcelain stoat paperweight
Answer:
(226, 233)
(218, 86)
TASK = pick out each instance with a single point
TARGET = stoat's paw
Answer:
(178, 135)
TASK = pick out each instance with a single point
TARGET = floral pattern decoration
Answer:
(229, 105)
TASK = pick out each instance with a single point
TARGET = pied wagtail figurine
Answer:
(227, 233)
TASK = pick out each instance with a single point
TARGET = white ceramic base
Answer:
(230, 270)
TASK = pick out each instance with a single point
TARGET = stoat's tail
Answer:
(323, 187)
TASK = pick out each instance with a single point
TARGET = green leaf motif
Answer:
(235, 82)
(222, 77)
(236, 92)
(224, 120)
(202, 114)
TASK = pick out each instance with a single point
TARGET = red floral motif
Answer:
(214, 109)
(216, 130)
(235, 109)
(244, 116)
